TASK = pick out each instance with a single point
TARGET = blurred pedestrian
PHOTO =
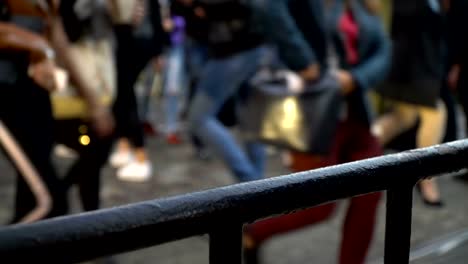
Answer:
(346, 38)
(133, 54)
(415, 81)
(89, 44)
(457, 79)
(32, 33)
(236, 52)
(26, 70)
(174, 77)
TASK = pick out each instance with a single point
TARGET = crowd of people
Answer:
(81, 74)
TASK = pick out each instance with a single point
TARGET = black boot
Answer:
(251, 255)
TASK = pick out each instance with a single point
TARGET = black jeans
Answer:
(132, 56)
(26, 111)
(452, 124)
(463, 91)
(86, 170)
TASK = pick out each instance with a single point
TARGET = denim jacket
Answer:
(302, 31)
(296, 28)
(374, 54)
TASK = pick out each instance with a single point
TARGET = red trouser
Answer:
(353, 141)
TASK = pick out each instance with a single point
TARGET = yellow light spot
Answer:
(83, 129)
(85, 140)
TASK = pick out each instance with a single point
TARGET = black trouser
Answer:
(462, 89)
(26, 111)
(450, 104)
(86, 171)
(463, 92)
(132, 56)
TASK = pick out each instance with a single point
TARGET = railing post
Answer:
(226, 243)
(398, 224)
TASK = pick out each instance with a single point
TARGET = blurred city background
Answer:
(110, 102)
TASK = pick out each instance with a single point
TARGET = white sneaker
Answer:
(120, 158)
(63, 151)
(135, 172)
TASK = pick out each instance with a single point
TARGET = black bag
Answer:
(304, 122)
(228, 19)
(229, 26)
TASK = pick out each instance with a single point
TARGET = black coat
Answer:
(226, 28)
(418, 53)
(457, 19)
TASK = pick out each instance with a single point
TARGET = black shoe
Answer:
(435, 204)
(251, 255)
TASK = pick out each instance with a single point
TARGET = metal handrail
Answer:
(30, 175)
(221, 212)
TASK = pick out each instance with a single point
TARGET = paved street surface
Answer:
(177, 172)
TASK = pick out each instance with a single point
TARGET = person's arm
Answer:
(281, 29)
(374, 69)
(41, 56)
(15, 38)
(100, 114)
(160, 38)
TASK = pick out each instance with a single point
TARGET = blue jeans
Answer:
(173, 85)
(220, 79)
(144, 92)
(196, 57)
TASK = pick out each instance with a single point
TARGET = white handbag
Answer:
(96, 65)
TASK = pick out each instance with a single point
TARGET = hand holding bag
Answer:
(303, 121)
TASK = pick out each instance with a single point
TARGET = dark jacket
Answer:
(196, 28)
(457, 33)
(374, 45)
(302, 31)
(418, 53)
(226, 27)
(297, 28)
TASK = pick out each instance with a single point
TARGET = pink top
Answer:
(350, 29)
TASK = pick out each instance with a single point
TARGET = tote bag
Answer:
(96, 65)
(304, 121)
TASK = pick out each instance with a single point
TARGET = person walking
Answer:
(348, 39)
(415, 81)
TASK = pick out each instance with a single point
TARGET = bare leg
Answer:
(141, 155)
(392, 124)
(123, 145)
(430, 133)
